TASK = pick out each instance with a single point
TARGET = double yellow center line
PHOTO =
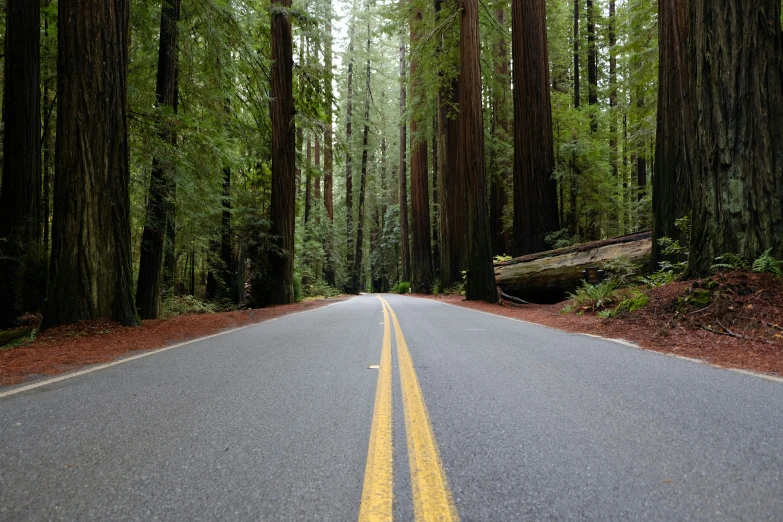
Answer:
(431, 496)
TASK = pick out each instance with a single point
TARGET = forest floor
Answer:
(73, 346)
(733, 320)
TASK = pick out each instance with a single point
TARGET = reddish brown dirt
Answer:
(741, 328)
(69, 347)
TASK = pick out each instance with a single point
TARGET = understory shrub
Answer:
(401, 288)
(176, 305)
(595, 297)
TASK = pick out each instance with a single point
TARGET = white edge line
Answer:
(70, 375)
(772, 378)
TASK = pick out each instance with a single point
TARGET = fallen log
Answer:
(6, 336)
(547, 277)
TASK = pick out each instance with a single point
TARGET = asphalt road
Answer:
(273, 422)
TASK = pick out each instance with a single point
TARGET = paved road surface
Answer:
(278, 422)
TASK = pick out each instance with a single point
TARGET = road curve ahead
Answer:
(390, 407)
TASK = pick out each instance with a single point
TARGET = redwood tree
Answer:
(20, 195)
(152, 239)
(671, 198)
(480, 273)
(535, 191)
(453, 220)
(349, 157)
(404, 244)
(421, 247)
(501, 129)
(356, 276)
(90, 271)
(737, 96)
(328, 150)
(281, 286)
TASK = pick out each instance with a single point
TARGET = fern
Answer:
(729, 261)
(767, 263)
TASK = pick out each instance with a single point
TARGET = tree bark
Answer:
(228, 270)
(480, 276)
(671, 197)
(575, 172)
(308, 179)
(90, 273)
(349, 156)
(20, 195)
(737, 94)
(356, 281)
(453, 222)
(152, 240)
(281, 282)
(592, 67)
(502, 130)
(547, 277)
(317, 178)
(404, 244)
(535, 192)
(612, 107)
(328, 150)
(421, 246)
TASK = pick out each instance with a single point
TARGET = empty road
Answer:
(384, 407)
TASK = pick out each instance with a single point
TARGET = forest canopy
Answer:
(252, 153)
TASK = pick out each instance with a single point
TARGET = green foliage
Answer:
(401, 288)
(319, 289)
(766, 263)
(297, 287)
(559, 239)
(729, 261)
(174, 306)
(501, 259)
(696, 298)
(662, 277)
(636, 301)
(595, 297)
(622, 272)
(668, 271)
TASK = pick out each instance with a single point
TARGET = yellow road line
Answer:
(432, 498)
(377, 494)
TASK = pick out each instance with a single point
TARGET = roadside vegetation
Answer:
(741, 298)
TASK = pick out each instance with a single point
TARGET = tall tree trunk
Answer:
(20, 195)
(575, 172)
(404, 244)
(317, 178)
(535, 192)
(152, 240)
(612, 108)
(577, 94)
(356, 281)
(480, 273)
(349, 156)
(226, 240)
(435, 225)
(641, 162)
(384, 197)
(90, 274)
(47, 144)
(501, 130)
(453, 220)
(328, 150)
(737, 95)
(421, 247)
(281, 281)
(592, 67)
(308, 179)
